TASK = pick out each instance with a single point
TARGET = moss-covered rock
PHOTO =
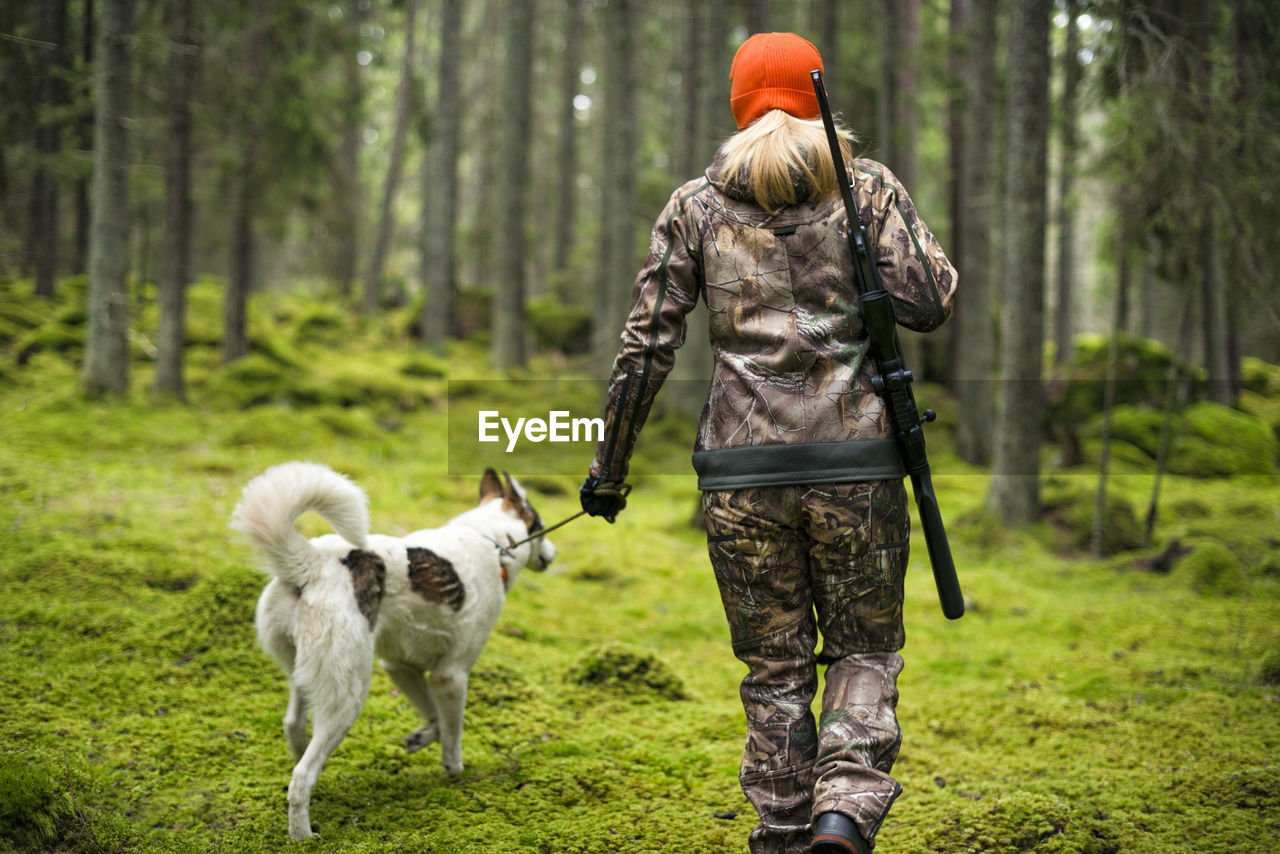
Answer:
(1266, 407)
(33, 808)
(424, 366)
(217, 614)
(53, 337)
(622, 668)
(1072, 508)
(349, 422)
(557, 326)
(1137, 425)
(1005, 824)
(21, 313)
(322, 323)
(252, 381)
(1077, 389)
(1217, 441)
(1212, 570)
(1269, 567)
(205, 300)
(1260, 377)
(1269, 669)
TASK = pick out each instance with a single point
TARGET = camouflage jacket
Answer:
(791, 363)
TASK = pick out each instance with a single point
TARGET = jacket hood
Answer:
(738, 187)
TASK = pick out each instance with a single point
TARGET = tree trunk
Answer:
(759, 16)
(692, 117)
(440, 187)
(1063, 326)
(350, 206)
(235, 336)
(887, 109)
(974, 341)
(1015, 482)
(1172, 391)
(567, 159)
(53, 65)
(80, 255)
(717, 121)
(1109, 390)
(1214, 314)
(906, 114)
(955, 121)
(706, 99)
(828, 25)
(175, 269)
(404, 113)
(509, 349)
(1147, 293)
(106, 363)
(617, 217)
(901, 57)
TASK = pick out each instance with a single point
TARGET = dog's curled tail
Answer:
(273, 500)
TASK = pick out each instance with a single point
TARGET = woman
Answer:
(805, 509)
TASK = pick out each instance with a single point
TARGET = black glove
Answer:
(603, 498)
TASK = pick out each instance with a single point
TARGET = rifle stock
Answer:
(893, 380)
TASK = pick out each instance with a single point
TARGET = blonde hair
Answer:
(777, 149)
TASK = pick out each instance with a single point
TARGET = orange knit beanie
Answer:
(771, 72)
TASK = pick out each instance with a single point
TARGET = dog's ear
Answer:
(490, 486)
(511, 499)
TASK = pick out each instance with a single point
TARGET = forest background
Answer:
(239, 233)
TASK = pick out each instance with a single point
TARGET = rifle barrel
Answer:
(935, 539)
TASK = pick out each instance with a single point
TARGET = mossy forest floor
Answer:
(1081, 705)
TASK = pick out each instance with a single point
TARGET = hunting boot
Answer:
(834, 833)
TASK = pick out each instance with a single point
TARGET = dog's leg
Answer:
(331, 722)
(414, 686)
(295, 721)
(449, 687)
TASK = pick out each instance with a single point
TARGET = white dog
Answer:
(424, 602)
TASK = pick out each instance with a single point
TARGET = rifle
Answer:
(893, 380)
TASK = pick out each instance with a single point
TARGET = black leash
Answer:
(506, 550)
(622, 490)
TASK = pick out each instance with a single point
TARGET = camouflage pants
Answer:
(793, 561)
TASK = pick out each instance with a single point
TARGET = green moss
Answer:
(131, 678)
(322, 323)
(1265, 407)
(215, 616)
(1269, 667)
(631, 671)
(351, 423)
(1077, 390)
(1191, 507)
(1137, 425)
(19, 313)
(33, 810)
(50, 338)
(1008, 824)
(1269, 565)
(251, 381)
(423, 366)
(558, 326)
(1260, 378)
(1212, 569)
(1072, 510)
(1216, 441)
(49, 801)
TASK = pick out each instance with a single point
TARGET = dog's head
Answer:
(515, 503)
